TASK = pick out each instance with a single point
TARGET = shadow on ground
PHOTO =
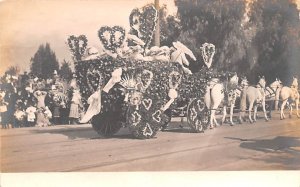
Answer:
(82, 133)
(279, 150)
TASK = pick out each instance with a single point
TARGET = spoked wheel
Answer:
(107, 124)
(197, 115)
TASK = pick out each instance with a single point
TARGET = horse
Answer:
(254, 95)
(215, 94)
(231, 94)
(293, 94)
(272, 93)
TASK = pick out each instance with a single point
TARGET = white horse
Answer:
(254, 95)
(272, 94)
(232, 93)
(215, 93)
(293, 94)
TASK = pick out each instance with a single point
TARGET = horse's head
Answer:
(276, 84)
(244, 82)
(212, 82)
(262, 82)
(234, 79)
(295, 82)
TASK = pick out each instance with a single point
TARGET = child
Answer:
(19, 117)
(74, 109)
(40, 117)
(48, 115)
(31, 115)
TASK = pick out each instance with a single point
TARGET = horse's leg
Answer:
(249, 110)
(276, 104)
(240, 117)
(211, 124)
(264, 109)
(255, 113)
(291, 110)
(281, 109)
(224, 115)
(243, 107)
(271, 108)
(215, 120)
(231, 113)
(297, 107)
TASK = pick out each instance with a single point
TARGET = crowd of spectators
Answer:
(27, 101)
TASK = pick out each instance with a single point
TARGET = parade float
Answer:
(153, 81)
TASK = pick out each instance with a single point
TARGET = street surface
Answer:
(273, 145)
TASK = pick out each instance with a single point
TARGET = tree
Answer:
(217, 22)
(170, 27)
(65, 71)
(13, 70)
(44, 62)
(277, 41)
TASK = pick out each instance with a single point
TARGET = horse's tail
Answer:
(243, 101)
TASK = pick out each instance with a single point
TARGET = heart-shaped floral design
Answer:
(112, 38)
(143, 22)
(77, 46)
(147, 131)
(208, 52)
(201, 105)
(157, 116)
(193, 114)
(147, 103)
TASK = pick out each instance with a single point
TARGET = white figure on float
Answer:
(179, 55)
(94, 100)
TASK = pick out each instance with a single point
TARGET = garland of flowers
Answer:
(77, 46)
(111, 38)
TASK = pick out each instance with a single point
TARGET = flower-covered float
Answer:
(152, 80)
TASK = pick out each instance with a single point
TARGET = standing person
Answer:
(30, 111)
(11, 99)
(48, 116)
(56, 109)
(40, 117)
(40, 96)
(74, 109)
(3, 110)
(19, 117)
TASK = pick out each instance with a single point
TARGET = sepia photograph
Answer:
(149, 92)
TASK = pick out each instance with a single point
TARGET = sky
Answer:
(26, 24)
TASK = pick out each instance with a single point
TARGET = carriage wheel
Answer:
(107, 124)
(144, 122)
(197, 115)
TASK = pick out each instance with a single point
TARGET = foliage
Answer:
(214, 22)
(44, 62)
(258, 38)
(65, 71)
(13, 70)
(277, 40)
